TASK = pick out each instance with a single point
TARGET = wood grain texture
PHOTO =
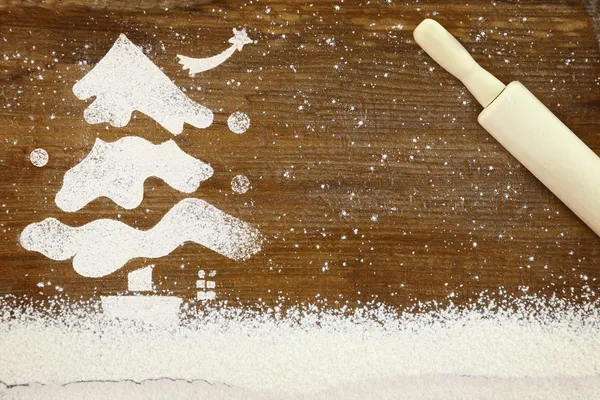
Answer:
(370, 175)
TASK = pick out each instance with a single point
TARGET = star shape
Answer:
(240, 38)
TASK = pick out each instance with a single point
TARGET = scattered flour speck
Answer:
(238, 122)
(39, 157)
(240, 184)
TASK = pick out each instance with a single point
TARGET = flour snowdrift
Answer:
(405, 388)
(521, 351)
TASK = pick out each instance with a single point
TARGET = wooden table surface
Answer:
(371, 178)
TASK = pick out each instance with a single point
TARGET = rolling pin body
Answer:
(524, 126)
(547, 148)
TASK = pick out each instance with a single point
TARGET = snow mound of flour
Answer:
(528, 349)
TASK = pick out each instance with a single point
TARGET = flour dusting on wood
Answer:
(126, 80)
(238, 122)
(119, 169)
(196, 65)
(313, 351)
(106, 245)
(39, 157)
(240, 184)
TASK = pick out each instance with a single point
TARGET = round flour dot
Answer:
(240, 184)
(39, 157)
(238, 122)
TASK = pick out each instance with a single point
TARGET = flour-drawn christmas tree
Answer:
(123, 81)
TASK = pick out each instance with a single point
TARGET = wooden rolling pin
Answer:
(524, 126)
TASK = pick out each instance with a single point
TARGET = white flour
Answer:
(441, 387)
(238, 122)
(196, 65)
(106, 245)
(525, 350)
(39, 157)
(240, 184)
(140, 280)
(118, 170)
(126, 80)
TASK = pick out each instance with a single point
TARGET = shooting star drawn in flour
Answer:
(196, 65)
(104, 246)
(125, 80)
(119, 169)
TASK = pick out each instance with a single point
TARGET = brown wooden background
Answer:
(412, 189)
